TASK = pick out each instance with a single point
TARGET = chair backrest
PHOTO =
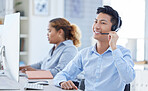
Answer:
(127, 87)
(141, 81)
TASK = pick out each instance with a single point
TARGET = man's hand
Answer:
(113, 37)
(69, 85)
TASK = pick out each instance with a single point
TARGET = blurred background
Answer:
(36, 14)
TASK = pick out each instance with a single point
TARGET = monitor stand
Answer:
(5, 82)
(8, 84)
(1, 72)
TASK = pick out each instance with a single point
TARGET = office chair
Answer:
(127, 87)
(82, 86)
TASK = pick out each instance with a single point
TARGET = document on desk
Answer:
(39, 75)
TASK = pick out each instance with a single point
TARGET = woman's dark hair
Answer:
(71, 31)
(113, 13)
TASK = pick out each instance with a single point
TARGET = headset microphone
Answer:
(114, 27)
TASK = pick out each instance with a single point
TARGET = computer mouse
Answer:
(43, 82)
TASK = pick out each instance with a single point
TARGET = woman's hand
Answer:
(23, 69)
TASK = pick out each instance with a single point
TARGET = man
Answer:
(107, 66)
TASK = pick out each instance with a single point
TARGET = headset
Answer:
(116, 27)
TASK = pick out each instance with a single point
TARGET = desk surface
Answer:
(24, 80)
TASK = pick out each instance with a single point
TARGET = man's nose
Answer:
(97, 26)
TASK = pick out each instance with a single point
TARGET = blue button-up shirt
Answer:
(110, 71)
(56, 61)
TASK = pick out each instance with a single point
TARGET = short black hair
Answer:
(110, 11)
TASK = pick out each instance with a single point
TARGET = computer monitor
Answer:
(10, 46)
(1, 29)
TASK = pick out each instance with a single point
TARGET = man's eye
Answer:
(95, 21)
(103, 23)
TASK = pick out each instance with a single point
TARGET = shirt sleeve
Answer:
(67, 55)
(124, 65)
(37, 65)
(73, 68)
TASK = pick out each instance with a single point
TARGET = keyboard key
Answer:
(33, 86)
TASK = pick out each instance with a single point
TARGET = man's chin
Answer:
(95, 37)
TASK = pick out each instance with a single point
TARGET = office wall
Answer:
(38, 42)
(146, 31)
(82, 13)
(6, 7)
(2, 7)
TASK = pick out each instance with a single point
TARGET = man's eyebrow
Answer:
(103, 20)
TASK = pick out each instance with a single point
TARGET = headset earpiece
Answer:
(114, 27)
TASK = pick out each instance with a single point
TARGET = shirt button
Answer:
(97, 77)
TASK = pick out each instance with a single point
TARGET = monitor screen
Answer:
(10, 45)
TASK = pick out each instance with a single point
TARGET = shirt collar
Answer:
(94, 49)
(109, 49)
(95, 46)
(66, 42)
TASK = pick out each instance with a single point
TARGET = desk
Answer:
(49, 87)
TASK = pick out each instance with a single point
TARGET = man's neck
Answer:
(102, 47)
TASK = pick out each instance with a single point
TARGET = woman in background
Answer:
(65, 37)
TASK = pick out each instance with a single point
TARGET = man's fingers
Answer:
(73, 85)
(64, 85)
(68, 85)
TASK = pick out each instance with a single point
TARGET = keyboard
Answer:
(39, 82)
(1, 71)
(33, 86)
(22, 74)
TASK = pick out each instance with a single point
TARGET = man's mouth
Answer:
(97, 32)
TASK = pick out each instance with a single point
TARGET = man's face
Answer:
(102, 24)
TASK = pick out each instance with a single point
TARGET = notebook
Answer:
(39, 75)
